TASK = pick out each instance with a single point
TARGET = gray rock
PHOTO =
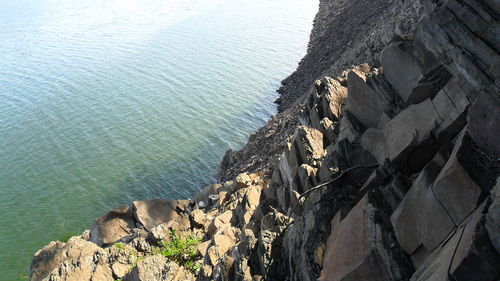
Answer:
(373, 141)
(493, 217)
(412, 71)
(466, 255)
(408, 137)
(361, 246)
(363, 101)
(441, 197)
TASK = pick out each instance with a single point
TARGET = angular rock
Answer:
(51, 256)
(84, 268)
(220, 221)
(412, 71)
(361, 247)
(442, 196)
(158, 267)
(332, 95)
(327, 129)
(493, 218)
(420, 222)
(466, 255)
(308, 144)
(484, 120)
(307, 177)
(373, 141)
(203, 194)
(113, 226)
(362, 100)
(153, 212)
(408, 137)
(304, 241)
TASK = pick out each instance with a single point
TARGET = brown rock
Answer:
(203, 194)
(220, 221)
(51, 256)
(158, 267)
(153, 212)
(113, 226)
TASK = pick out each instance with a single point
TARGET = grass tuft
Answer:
(182, 250)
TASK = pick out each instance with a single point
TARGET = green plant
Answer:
(119, 245)
(64, 234)
(182, 250)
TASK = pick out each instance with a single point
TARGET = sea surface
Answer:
(103, 102)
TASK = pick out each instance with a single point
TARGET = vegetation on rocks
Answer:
(182, 250)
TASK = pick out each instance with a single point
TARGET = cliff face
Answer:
(386, 171)
(345, 33)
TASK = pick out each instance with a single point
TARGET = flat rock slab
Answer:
(153, 212)
(113, 226)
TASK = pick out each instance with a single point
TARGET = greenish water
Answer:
(105, 102)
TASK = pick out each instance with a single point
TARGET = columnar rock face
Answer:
(386, 171)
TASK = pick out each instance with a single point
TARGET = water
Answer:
(107, 101)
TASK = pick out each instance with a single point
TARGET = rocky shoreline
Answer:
(387, 170)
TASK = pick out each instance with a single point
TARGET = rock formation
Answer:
(389, 170)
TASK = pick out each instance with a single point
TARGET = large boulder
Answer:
(153, 212)
(408, 137)
(363, 100)
(465, 255)
(113, 226)
(412, 71)
(361, 246)
(52, 256)
(441, 197)
(484, 120)
(305, 240)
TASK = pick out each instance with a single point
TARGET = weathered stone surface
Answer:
(442, 196)
(412, 71)
(420, 220)
(242, 180)
(153, 212)
(120, 269)
(51, 256)
(113, 226)
(454, 188)
(467, 254)
(309, 145)
(408, 137)
(373, 141)
(327, 129)
(307, 177)
(484, 120)
(362, 100)
(180, 224)
(493, 217)
(158, 267)
(220, 221)
(461, 36)
(332, 95)
(361, 247)
(84, 268)
(203, 194)
(304, 241)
